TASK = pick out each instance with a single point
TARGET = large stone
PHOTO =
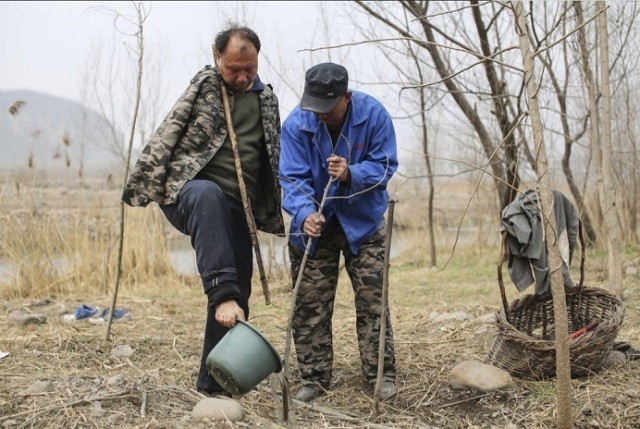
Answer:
(218, 409)
(123, 350)
(479, 376)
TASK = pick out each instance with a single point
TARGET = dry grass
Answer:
(165, 331)
(58, 241)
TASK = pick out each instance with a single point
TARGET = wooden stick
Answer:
(251, 222)
(503, 293)
(287, 401)
(383, 312)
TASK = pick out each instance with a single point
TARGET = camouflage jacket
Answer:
(187, 139)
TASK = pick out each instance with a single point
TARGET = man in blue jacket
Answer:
(342, 141)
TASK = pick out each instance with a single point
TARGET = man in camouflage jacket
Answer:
(188, 169)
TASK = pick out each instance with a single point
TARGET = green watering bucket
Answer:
(242, 359)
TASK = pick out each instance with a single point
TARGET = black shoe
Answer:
(214, 393)
(630, 352)
(388, 390)
(309, 392)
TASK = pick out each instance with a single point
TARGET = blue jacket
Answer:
(368, 142)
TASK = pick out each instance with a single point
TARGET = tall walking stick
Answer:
(251, 222)
(383, 312)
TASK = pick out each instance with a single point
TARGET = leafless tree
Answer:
(138, 22)
(561, 70)
(103, 77)
(472, 51)
(608, 191)
(426, 149)
(600, 132)
(553, 35)
(563, 366)
(474, 72)
(408, 62)
(108, 86)
(627, 166)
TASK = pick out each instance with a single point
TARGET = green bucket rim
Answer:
(266, 340)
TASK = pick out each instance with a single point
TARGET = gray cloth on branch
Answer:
(526, 249)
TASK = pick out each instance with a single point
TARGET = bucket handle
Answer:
(503, 295)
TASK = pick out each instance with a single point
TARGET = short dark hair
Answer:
(234, 29)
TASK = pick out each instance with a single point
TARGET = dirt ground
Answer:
(154, 388)
(90, 387)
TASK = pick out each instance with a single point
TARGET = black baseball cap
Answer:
(324, 84)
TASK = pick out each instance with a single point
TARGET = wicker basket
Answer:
(525, 347)
(525, 341)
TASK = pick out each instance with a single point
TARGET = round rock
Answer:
(218, 409)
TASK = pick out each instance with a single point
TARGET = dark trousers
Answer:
(220, 237)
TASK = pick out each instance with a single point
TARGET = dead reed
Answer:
(59, 241)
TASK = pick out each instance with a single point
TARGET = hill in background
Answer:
(49, 133)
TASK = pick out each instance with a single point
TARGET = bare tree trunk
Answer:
(431, 193)
(424, 103)
(628, 177)
(561, 93)
(487, 140)
(140, 46)
(500, 111)
(608, 193)
(634, 190)
(427, 160)
(563, 366)
(602, 152)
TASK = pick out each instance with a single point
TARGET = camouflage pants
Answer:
(312, 328)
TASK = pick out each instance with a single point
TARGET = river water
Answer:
(182, 255)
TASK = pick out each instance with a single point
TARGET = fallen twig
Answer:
(118, 395)
(173, 346)
(464, 400)
(383, 311)
(143, 406)
(333, 413)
